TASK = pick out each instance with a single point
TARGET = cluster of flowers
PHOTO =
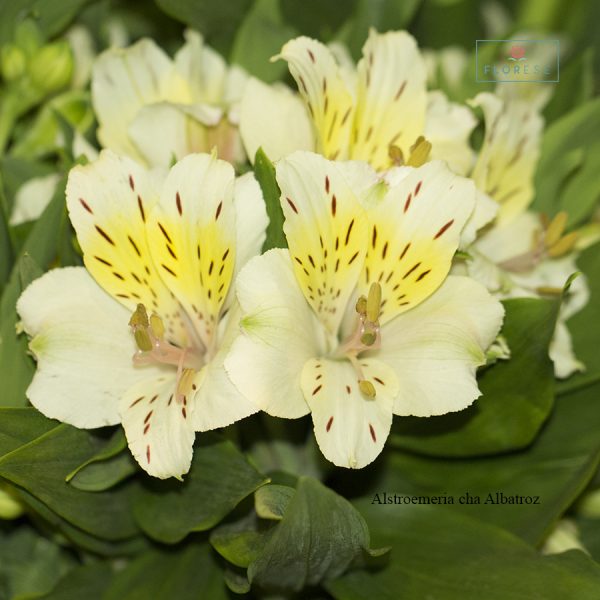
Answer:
(178, 324)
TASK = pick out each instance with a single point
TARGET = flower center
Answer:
(154, 348)
(549, 242)
(366, 336)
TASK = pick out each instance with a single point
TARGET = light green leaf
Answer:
(271, 501)
(566, 177)
(517, 394)
(219, 478)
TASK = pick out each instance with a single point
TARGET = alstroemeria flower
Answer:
(189, 103)
(376, 113)
(139, 336)
(508, 157)
(515, 256)
(358, 320)
(523, 258)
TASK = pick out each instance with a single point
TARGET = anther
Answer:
(367, 388)
(158, 328)
(361, 306)
(555, 229)
(419, 152)
(374, 302)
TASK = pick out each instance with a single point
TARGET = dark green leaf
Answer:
(89, 582)
(261, 36)
(555, 468)
(216, 19)
(40, 467)
(264, 171)
(29, 563)
(321, 18)
(105, 469)
(440, 554)
(219, 478)
(517, 394)
(318, 538)
(189, 572)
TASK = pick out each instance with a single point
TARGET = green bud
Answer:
(28, 37)
(14, 62)
(52, 67)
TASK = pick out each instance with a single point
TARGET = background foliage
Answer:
(261, 513)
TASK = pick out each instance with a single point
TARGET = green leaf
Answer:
(383, 15)
(50, 16)
(29, 563)
(517, 394)
(320, 19)
(576, 86)
(41, 465)
(318, 538)
(555, 468)
(186, 573)
(566, 178)
(217, 20)
(440, 554)
(42, 244)
(264, 171)
(6, 246)
(271, 501)
(106, 468)
(88, 581)
(585, 325)
(261, 36)
(219, 478)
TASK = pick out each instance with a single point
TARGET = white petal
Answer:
(509, 154)
(351, 429)
(192, 236)
(562, 354)
(110, 204)
(391, 99)
(414, 232)
(218, 402)
(83, 346)
(448, 127)
(124, 80)
(204, 69)
(484, 213)
(326, 229)
(280, 333)
(274, 119)
(158, 427)
(32, 198)
(435, 348)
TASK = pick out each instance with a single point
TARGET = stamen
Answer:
(419, 152)
(367, 388)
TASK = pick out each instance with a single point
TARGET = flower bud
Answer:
(28, 37)
(13, 62)
(52, 67)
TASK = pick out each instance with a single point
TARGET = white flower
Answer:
(166, 250)
(370, 113)
(152, 108)
(513, 260)
(358, 320)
